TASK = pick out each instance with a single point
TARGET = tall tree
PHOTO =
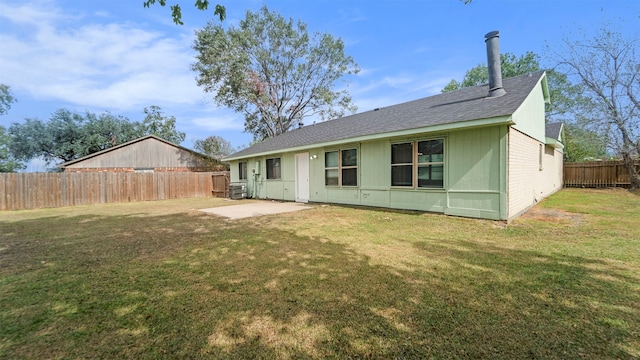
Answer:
(272, 71)
(583, 144)
(7, 162)
(68, 136)
(6, 99)
(102, 131)
(53, 140)
(562, 92)
(155, 123)
(511, 66)
(214, 146)
(607, 67)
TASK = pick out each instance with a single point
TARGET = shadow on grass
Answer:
(545, 305)
(193, 286)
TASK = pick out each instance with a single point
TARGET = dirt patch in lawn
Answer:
(553, 215)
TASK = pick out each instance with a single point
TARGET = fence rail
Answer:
(597, 174)
(20, 191)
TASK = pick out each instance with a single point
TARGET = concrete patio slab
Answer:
(255, 208)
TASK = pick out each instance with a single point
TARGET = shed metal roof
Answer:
(466, 104)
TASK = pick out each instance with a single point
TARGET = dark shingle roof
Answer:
(461, 105)
(553, 130)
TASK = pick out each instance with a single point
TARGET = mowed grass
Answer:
(161, 280)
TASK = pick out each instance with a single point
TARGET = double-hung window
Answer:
(273, 169)
(418, 164)
(242, 170)
(341, 167)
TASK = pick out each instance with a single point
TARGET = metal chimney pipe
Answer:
(493, 62)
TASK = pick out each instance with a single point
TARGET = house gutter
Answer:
(554, 143)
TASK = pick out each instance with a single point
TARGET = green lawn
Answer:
(158, 279)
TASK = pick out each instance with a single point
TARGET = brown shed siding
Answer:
(149, 153)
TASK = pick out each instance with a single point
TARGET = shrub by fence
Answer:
(597, 174)
(20, 191)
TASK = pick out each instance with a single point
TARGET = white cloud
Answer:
(35, 13)
(219, 122)
(115, 66)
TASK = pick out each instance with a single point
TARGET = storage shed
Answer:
(146, 154)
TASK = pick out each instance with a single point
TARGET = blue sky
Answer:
(120, 57)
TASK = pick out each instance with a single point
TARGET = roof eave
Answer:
(554, 143)
(500, 120)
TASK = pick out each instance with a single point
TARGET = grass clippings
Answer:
(160, 279)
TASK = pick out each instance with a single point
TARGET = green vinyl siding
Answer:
(476, 172)
(473, 172)
(527, 117)
(374, 169)
(475, 160)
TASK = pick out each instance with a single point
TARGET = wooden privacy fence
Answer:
(597, 174)
(19, 191)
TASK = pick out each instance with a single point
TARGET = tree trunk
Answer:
(632, 169)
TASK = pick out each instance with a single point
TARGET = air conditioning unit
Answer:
(238, 191)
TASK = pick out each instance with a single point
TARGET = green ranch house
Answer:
(482, 152)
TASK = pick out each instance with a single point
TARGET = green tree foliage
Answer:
(6, 99)
(582, 144)
(68, 136)
(565, 98)
(607, 67)
(511, 66)
(271, 70)
(7, 162)
(106, 130)
(176, 10)
(214, 146)
(155, 123)
(563, 94)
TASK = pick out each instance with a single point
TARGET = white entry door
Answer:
(302, 177)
